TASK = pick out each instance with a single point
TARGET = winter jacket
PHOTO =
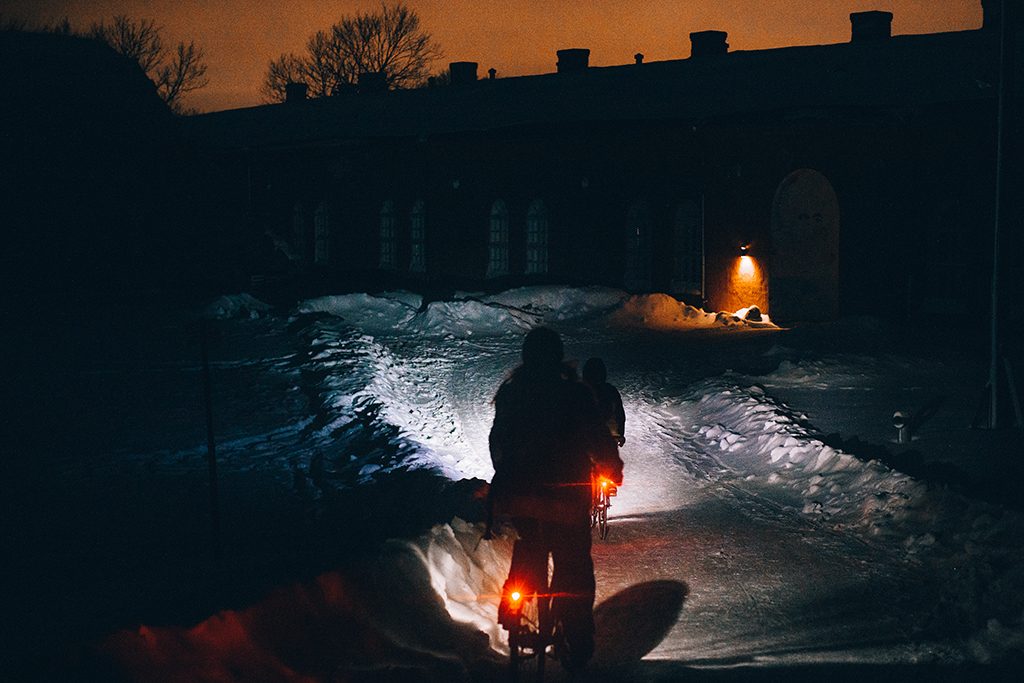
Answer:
(609, 404)
(547, 438)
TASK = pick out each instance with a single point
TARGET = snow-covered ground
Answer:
(762, 482)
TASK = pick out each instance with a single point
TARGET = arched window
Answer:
(388, 238)
(322, 233)
(418, 238)
(497, 243)
(536, 238)
(687, 250)
(637, 273)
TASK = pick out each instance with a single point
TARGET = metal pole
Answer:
(993, 372)
(211, 447)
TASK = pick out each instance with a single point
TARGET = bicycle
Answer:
(534, 632)
(603, 490)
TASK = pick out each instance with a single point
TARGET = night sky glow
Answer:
(516, 37)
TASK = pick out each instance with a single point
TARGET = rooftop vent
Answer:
(462, 72)
(638, 58)
(372, 81)
(873, 25)
(295, 92)
(573, 59)
(705, 43)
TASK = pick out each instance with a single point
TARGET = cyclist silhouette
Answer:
(609, 401)
(547, 438)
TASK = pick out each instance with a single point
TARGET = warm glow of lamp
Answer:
(745, 279)
(745, 269)
(515, 596)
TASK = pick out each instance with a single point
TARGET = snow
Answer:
(663, 312)
(747, 482)
(235, 305)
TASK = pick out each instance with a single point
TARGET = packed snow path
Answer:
(765, 583)
(793, 552)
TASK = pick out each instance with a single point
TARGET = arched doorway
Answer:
(804, 269)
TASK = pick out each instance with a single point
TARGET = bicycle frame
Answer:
(535, 630)
(602, 491)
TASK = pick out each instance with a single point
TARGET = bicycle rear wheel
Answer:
(602, 520)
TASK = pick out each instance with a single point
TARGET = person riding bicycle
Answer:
(609, 401)
(546, 438)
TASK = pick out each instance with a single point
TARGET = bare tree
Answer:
(282, 71)
(390, 41)
(175, 72)
(184, 72)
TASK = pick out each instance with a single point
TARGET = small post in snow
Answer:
(901, 421)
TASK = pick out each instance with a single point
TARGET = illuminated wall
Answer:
(746, 283)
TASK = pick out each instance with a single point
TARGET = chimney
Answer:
(492, 73)
(868, 26)
(462, 73)
(706, 43)
(295, 92)
(638, 58)
(573, 59)
(371, 82)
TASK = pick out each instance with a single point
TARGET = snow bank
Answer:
(555, 303)
(235, 306)
(663, 312)
(467, 318)
(770, 444)
(468, 573)
(373, 314)
(413, 611)
(778, 456)
(466, 315)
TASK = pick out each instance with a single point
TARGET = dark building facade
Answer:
(806, 180)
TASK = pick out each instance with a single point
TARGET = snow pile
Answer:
(235, 306)
(468, 573)
(517, 310)
(779, 458)
(380, 619)
(555, 304)
(463, 319)
(403, 313)
(774, 446)
(372, 314)
(663, 312)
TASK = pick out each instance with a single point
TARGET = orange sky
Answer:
(515, 37)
